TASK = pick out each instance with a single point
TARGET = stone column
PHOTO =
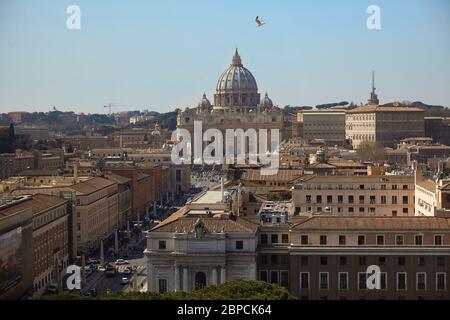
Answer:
(177, 278)
(214, 275)
(222, 274)
(150, 277)
(185, 279)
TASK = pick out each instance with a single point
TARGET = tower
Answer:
(373, 97)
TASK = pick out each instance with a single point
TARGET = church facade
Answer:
(237, 105)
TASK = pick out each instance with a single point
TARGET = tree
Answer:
(231, 290)
(370, 151)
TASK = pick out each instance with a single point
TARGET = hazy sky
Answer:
(164, 54)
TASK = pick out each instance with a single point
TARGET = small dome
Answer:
(204, 102)
(157, 131)
(266, 102)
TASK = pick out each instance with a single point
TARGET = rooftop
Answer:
(373, 223)
(36, 203)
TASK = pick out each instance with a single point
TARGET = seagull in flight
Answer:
(259, 23)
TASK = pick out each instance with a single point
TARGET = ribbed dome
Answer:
(236, 86)
(266, 101)
(236, 78)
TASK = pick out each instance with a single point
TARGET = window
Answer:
(361, 240)
(405, 211)
(405, 187)
(421, 261)
(342, 240)
(383, 199)
(284, 278)
(440, 261)
(401, 281)
(304, 261)
(441, 281)
(394, 213)
(350, 199)
(401, 261)
(383, 187)
(380, 240)
(284, 259)
(323, 280)
(304, 280)
(351, 210)
(274, 238)
(323, 261)
(405, 200)
(362, 260)
(343, 261)
(361, 209)
(381, 261)
(438, 240)
(274, 276)
(372, 200)
(340, 199)
(383, 280)
(264, 239)
(394, 187)
(421, 281)
(319, 199)
(362, 278)
(263, 275)
(361, 199)
(162, 245)
(304, 240)
(308, 198)
(162, 285)
(394, 199)
(284, 238)
(343, 280)
(399, 240)
(329, 199)
(361, 187)
(239, 245)
(263, 259)
(323, 240)
(418, 240)
(273, 259)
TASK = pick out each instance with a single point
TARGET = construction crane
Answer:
(113, 105)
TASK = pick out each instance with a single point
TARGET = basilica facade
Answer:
(237, 105)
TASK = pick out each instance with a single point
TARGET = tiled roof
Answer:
(281, 175)
(361, 179)
(373, 223)
(118, 178)
(92, 185)
(37, 203)
(384, 108)
(428, 184)
(212, 225)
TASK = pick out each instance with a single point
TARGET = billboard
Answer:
(11, 260)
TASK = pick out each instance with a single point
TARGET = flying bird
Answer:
(259, 23)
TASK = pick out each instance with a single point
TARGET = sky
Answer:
(160, 55)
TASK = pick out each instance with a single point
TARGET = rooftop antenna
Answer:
(373, 81)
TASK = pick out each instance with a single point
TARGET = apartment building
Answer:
(384, 124)
(50, 243)
(329, 257)
(94, 213)
(372, 195)
(16, 253)
(432, 197)
(328, 125)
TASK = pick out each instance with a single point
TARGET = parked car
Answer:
(121, 261)
(110, 271)
(125, 280)
(92, 261)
